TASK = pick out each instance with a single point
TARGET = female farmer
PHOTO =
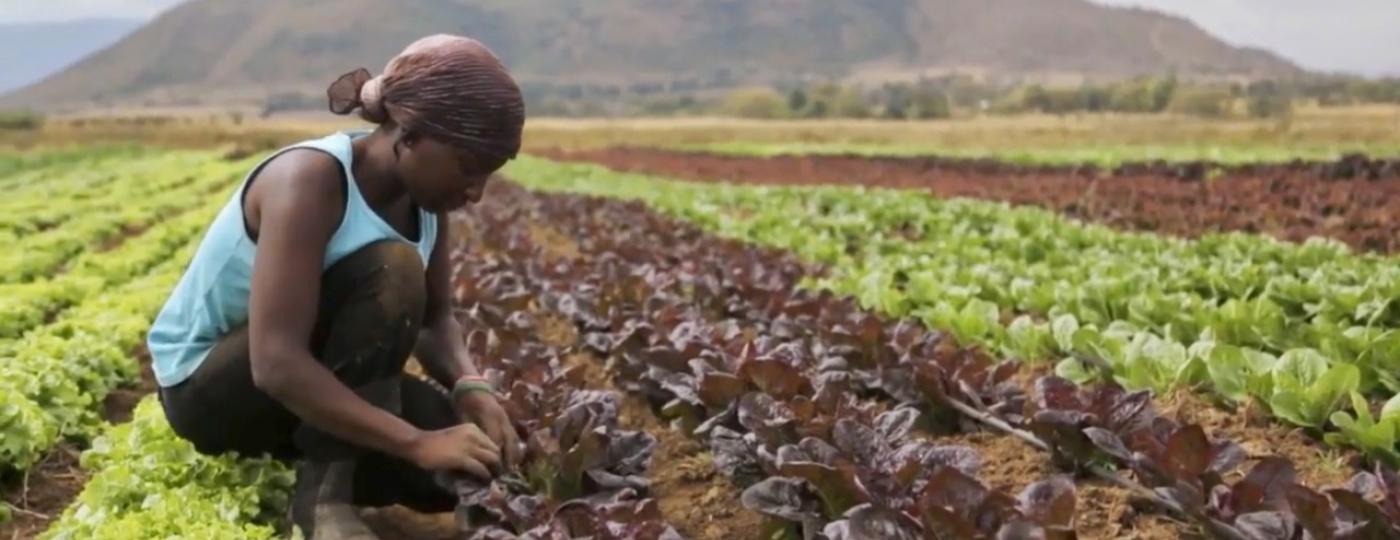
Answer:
(289, 331)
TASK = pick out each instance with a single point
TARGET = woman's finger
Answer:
(512, 445)
(481, 438)
(493, 430)
(489, 457)
(476, 468)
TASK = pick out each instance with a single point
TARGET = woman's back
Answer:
(212, 296)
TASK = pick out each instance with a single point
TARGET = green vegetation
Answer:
(20, 120)
(75, 308)
(100, 237)
(148, 483)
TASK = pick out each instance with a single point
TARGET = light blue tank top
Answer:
(211, 298)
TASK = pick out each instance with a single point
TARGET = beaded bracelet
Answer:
(468, 384)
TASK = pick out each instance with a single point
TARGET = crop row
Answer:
(52, 171)
(146, 482)
(1297, 329)
(582, 475)
(68, 341)
(54, 379)
(44, 197)
(25, 306)
(142, 202)
(731, 355)
(815, 400)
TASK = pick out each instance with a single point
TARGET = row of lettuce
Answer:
(1308, 332)
(45, 229)
(68, 340)
(70, 330)
(148, 483)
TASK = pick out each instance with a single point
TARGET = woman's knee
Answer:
(390, 272)
(372, 306)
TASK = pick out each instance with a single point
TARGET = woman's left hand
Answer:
(485, 411)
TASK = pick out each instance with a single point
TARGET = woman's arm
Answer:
(440, 347)
(297, 216)
(443, 352)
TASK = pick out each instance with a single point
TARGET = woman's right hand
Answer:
(459, 448)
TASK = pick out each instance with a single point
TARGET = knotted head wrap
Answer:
(451, 88)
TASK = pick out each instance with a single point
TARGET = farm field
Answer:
(797, 361)
(1351, 200)
(1101, 140)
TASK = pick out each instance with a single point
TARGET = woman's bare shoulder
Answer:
(306, 184)
(302, 171)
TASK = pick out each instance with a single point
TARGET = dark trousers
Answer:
(371, 308)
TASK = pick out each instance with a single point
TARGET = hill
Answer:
(32, 51)
(222, 50)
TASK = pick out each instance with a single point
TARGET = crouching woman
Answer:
(288, 333)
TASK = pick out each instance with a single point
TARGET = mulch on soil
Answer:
(1351, 202)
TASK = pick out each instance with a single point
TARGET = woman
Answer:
(289, 331)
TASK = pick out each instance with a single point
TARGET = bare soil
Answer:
(38, 497)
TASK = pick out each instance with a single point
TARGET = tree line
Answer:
(943, 97)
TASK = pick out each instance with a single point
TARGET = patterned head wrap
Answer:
(451, 88)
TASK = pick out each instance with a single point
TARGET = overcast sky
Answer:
(1357, 36)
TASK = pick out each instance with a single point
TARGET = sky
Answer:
(1355, 36)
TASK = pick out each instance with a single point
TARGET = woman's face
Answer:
(440, 177)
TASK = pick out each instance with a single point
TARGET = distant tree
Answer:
(755, 102)
(1206, 102)
(896, 100)
(797, 100)
(1132, 96)
(20, 120)
(851, 103)
(1062, 101)
(291, 101)
(1268, 99)
(1094, 98)
(1163, 91)
(930, 102)
(1035, 98)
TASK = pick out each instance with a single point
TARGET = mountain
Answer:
(32, 51)
(220, 51)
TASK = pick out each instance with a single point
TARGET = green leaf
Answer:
(974, 324)
(1064, 328)
(1289, 406)
(1300, 368)
(1391, 408)
(1029, 341)
(1332, 389)
(1377, 439)
(1227, 370)
(1362, 409)
(1310, 403)
(1075, 370)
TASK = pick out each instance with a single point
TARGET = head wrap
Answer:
(450, 88)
